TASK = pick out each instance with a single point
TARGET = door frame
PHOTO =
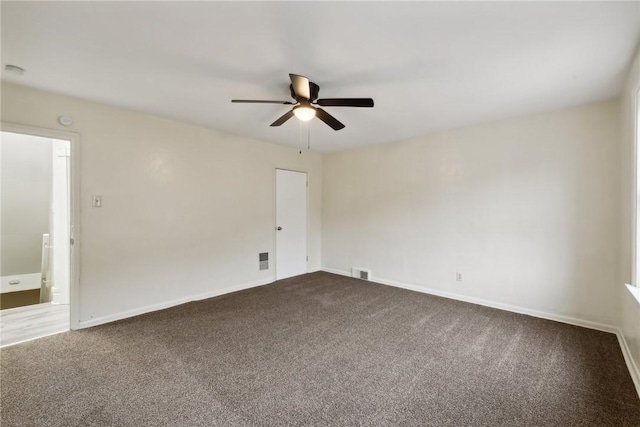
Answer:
(275, 217)
(74, 206)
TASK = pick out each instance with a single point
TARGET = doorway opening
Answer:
(36, 232)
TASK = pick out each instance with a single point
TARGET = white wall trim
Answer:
(167, 304)
(628, 358)
(635, 292)
(493, 304)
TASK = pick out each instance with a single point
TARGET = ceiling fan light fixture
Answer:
(305, 95)
(304, 112)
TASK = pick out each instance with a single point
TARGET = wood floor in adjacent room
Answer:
(321, 349)
(26, 323)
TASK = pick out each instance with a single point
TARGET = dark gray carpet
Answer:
(321, 349)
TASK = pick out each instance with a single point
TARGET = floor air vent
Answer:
(360, 273)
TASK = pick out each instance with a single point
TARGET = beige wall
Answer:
(526, 209)
(629, 307)
(186, 210)
(26, 177)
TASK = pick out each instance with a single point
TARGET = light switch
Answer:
(96, 201)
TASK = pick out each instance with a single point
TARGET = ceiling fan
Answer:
(305, 94)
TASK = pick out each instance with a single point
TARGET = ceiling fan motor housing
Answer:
(314, 90)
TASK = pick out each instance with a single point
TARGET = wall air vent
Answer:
(360, 273)
(263, 259)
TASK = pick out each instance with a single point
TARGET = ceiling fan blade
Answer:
(328, 119)
(300, 86)
(345, 102)
(286, 116)
(255, 101)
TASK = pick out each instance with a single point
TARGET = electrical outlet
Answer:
(458, 277)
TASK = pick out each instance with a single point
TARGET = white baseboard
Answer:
(628, 358)
(488, 303)
(167, 304)
(631, 365)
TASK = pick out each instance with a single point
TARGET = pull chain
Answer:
(308, 125)
(300, 134)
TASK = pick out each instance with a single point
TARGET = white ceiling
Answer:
(429, 66)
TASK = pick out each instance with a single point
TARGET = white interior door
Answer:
(291, 223)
